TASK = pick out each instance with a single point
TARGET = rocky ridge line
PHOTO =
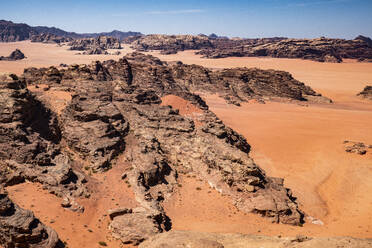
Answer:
(320, 49)
(115, 108)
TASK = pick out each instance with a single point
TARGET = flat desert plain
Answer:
(301, 143)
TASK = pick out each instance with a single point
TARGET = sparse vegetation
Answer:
(102, 243)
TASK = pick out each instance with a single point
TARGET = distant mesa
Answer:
(320, 49)
(10, 32)
(49, 38)
(97, 45)
(210, 46)
(15, 55)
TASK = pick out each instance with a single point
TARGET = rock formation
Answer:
(356, 147)
(95, 45)
(186, 239)
(366, 93)
(115, 108)
(10, 32)
(15, 55)
(170, 43)
(49, 38)
(321, 49)
(30, 139)
(20, 228)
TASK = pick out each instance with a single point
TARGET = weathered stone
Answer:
(15, 55)
(20, 228)
(366, 93)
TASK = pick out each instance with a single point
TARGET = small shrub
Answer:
(102, 243)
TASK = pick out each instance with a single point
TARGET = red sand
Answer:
(185, 107)
(80, 229)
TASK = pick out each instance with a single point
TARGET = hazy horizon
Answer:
(235, 18)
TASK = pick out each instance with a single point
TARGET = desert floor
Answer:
(301, 143)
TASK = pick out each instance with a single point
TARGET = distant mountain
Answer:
(10, 31)
(56, 31)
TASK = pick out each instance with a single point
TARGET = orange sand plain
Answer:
(302, 144)
(44, 55)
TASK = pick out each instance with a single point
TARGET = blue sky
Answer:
(264, 18)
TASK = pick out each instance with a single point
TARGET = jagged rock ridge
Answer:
(321, 49)
(97, 45)
(49, 38)
(15, 55)
(115, 108)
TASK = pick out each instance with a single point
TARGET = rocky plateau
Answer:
(115, 109)
(320, 49)
(97, 45)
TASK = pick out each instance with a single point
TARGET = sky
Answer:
(233, 18)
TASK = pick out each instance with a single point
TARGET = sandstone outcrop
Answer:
(321, 49)
(366, 93)
(183, 239)
(356, 147)
(49, 38)
(30, 139)
(136, 225)
(115, 108)
(15, 55)
(97, 45)
(169, 44)
(20, 228)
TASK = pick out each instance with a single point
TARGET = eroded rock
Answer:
(15, 55)
(20, 228)
(366, 93)
(116, 108)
